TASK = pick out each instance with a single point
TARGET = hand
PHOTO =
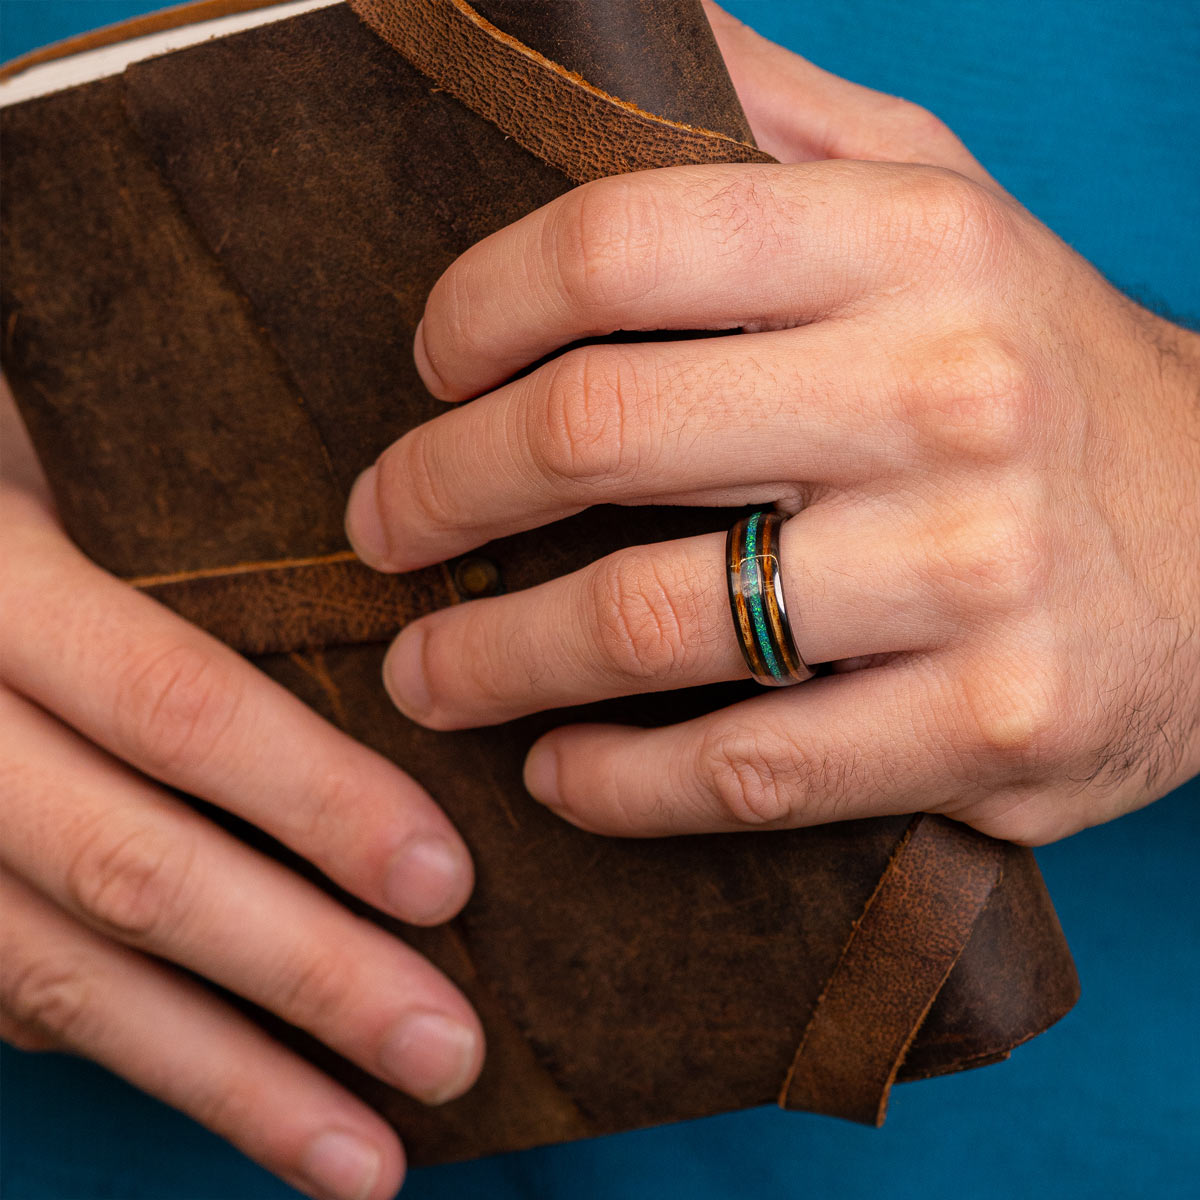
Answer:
(994, 458)
(105, 874)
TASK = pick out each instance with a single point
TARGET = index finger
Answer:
(174, 702)
(697, 247)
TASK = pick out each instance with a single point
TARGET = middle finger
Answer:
(637, 423)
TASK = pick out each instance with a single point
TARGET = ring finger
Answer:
(857, 582)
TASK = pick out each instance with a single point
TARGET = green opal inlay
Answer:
(754, 596)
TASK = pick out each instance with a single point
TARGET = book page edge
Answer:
(89, 65)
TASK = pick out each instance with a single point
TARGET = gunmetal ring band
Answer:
(756, 598)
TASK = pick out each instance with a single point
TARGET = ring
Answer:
(756, 598)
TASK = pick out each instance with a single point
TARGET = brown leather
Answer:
(891, 970)
(300, 604)
(551, 111)
(214, 264)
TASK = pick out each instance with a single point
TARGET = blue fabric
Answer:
(1088, 111)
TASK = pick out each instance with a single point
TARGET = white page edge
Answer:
(103, 61)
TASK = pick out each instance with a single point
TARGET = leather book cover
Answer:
(214, 261)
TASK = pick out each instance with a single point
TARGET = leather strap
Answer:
(554, 113)
(302, 604)
(901, 950)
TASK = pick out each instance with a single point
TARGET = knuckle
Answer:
(1019, 717)
(999, 560)
(579, 435)
(641, 627)
(314, 992)
(53, 996)
(130, 882)
(607, 238)
(1010, 563)
(176, 705)
(333, 805)
(232, 1105)
(911, 116)
(948, 218)
(977, 402)
(744, 781)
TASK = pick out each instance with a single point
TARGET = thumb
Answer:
(799, 112)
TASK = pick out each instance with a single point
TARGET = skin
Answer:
(104, 696)
(998, 461)
(993, 455)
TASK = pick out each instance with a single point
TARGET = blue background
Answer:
(1089, 111)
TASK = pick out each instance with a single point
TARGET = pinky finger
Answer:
(63, 986)
(863, 744)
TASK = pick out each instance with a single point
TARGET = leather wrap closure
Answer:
(899, 954)
(254, 222)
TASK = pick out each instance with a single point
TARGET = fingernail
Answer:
(430, 1056)
(339, 1166)
(427, 880)
(404, 673)
(541, 774)
(364, 525)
